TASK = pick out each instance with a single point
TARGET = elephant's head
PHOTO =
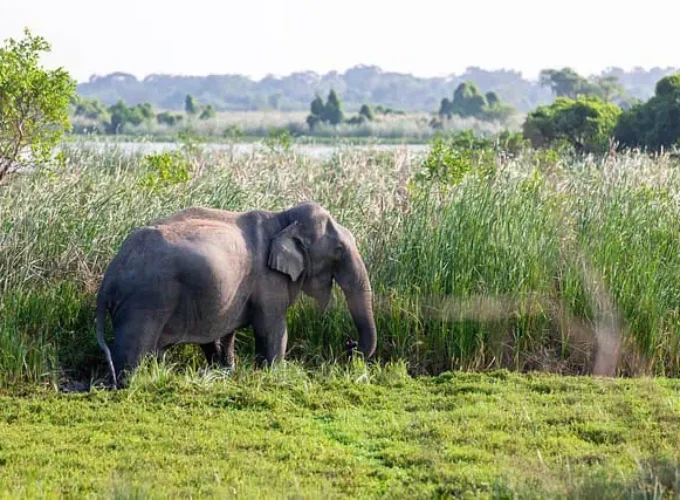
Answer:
(314, 248)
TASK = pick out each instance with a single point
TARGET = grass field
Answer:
(348, 431)
(486, 278)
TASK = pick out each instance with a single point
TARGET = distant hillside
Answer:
(358, 85)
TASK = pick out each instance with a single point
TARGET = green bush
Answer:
(584, 123)
(33, 103)
(655, 124)
(469, 101)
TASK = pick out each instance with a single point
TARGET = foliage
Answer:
(190, 106)
(568, 83)
(317, 106)
(333, 113)
(92, 109)
(33, 103)
(357, 85)
(585, 123)
(122, 115)
(279, 141)
(330, 112)
(169, 118)
(164, 169)
(208, 113)
(469, 101)
(655, 124)
(448, 161)
(367, 112)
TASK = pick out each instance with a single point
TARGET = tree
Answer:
(122, 115)
(331, 112)
(654, 124)
(168, 118)
(333, 109)
(585, 123)
(317, 107)
(492, 99)
(33, 103)
(190, 105)
(366, 112)
(208, 113)
(567, 83)
(468, 101)
(564, 82)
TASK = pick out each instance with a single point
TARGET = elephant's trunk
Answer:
(353, 280)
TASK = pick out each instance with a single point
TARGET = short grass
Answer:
(344, 430)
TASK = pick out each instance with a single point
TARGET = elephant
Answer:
(202, 273)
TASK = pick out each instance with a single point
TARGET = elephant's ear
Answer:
(284, 254)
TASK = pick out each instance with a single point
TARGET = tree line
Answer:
(115, 118)
(357, 85)
(587, 115)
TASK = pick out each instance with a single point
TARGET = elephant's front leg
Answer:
(271, 336)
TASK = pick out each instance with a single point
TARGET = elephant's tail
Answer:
(101, 321)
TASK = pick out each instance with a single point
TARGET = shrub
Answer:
(655, 124)
(33, 103)
(585, 123)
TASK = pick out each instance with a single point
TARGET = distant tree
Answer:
(333, 109)
(330, 112)
(33, 103)
(445, 108)
(492, 99)
(668, 86)
(567, 83)
(313, 121)
(145, 110)
(610, 89)
(208, 113)
(92, 109)
(367, 112)
(190, 106)
(564, 82)
(122, 115)
(585, 123)
(168, 118)
(468, 101)
(317, 107)
(654, 124)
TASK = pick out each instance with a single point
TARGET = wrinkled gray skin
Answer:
(202, 273)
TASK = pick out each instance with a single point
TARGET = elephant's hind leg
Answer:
(221, 351)
(137, 334)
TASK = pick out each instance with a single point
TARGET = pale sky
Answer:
(424, 37)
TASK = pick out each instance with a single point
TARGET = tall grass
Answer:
(544, 263)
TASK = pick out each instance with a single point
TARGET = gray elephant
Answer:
(202, 273)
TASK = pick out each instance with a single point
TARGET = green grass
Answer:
(546, 263)
(344, 431)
